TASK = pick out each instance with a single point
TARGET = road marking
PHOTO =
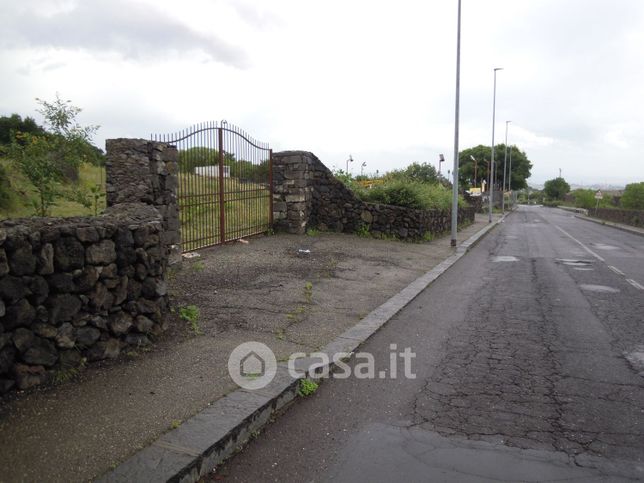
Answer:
(635, 284)
(617, 270)
(504, 258)
(599, 288)
(580, 243)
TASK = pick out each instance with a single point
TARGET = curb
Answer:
(207, 439)
(611, 224)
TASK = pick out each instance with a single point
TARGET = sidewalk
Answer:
(620, 226)
(271, 290)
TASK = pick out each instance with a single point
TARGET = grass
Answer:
(246, 208)
(24, 193)
(363, 231)
(308, 292)
(190, 313)
(307, 387)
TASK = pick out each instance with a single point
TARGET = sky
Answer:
(371, 79)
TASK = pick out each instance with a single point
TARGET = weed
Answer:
(270, 232)
(190, 313)
(363, 231)
(175, 423)
(280, 334)
(307, 387)
(198, 266)
(312, 232)
(428, 236)
(308, 292)
(66, 374)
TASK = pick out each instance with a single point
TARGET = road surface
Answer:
(529, 366)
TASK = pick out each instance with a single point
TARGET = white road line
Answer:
(634, 283)
(617, 270)
(580, 243)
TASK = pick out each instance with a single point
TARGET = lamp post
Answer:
(475, 162)
(505, 162)
(491, 206)
(510, 174)
(364, 163)
(350, 160)
(456, 120)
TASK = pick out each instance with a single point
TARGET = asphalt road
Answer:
(528, 367)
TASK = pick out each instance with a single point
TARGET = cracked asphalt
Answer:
(526, 369)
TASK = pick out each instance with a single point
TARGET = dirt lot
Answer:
(294, 293)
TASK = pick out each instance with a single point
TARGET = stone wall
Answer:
(306, 194)
(628, 217)
(76, 290)
(138, 170)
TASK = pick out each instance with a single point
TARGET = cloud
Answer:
(133, 31)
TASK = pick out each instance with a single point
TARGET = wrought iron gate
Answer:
(225, 184)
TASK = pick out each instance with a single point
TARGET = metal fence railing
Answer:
(225, 184)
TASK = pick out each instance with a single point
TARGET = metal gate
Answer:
(225, 184)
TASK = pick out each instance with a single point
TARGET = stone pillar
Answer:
(138, 170)
(292, 190)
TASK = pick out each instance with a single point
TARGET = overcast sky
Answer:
(374, 79)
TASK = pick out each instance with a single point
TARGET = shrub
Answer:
(633, 197)
(6, 200)
(410, 194)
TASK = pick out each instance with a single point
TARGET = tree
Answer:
(472, 172)
(70, 142)
(584, 198)
(556, 189)
(417, 172)
(10, 125)
(633, 197)
(54, 157)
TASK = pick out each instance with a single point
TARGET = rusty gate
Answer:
(225, 184)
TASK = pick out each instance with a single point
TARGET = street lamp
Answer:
(492, 161)
(441, 160)
(510, 176)
(475, 162)
(505, 161)
(350, 160)
(456, 113)
(364, 163)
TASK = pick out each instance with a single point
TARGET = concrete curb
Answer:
(204, 441)
(618, 226)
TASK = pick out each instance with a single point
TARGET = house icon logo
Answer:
(252, 365)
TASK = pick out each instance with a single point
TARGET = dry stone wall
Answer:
(628, 217)
(76, 290)
(306, 194)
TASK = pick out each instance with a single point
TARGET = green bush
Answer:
(409, 194)
(6, 199)
(633, 197)
(584, 198)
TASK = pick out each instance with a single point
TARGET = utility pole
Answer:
(491, 205)
(510, 174)
(505, 162)
(456, 121)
